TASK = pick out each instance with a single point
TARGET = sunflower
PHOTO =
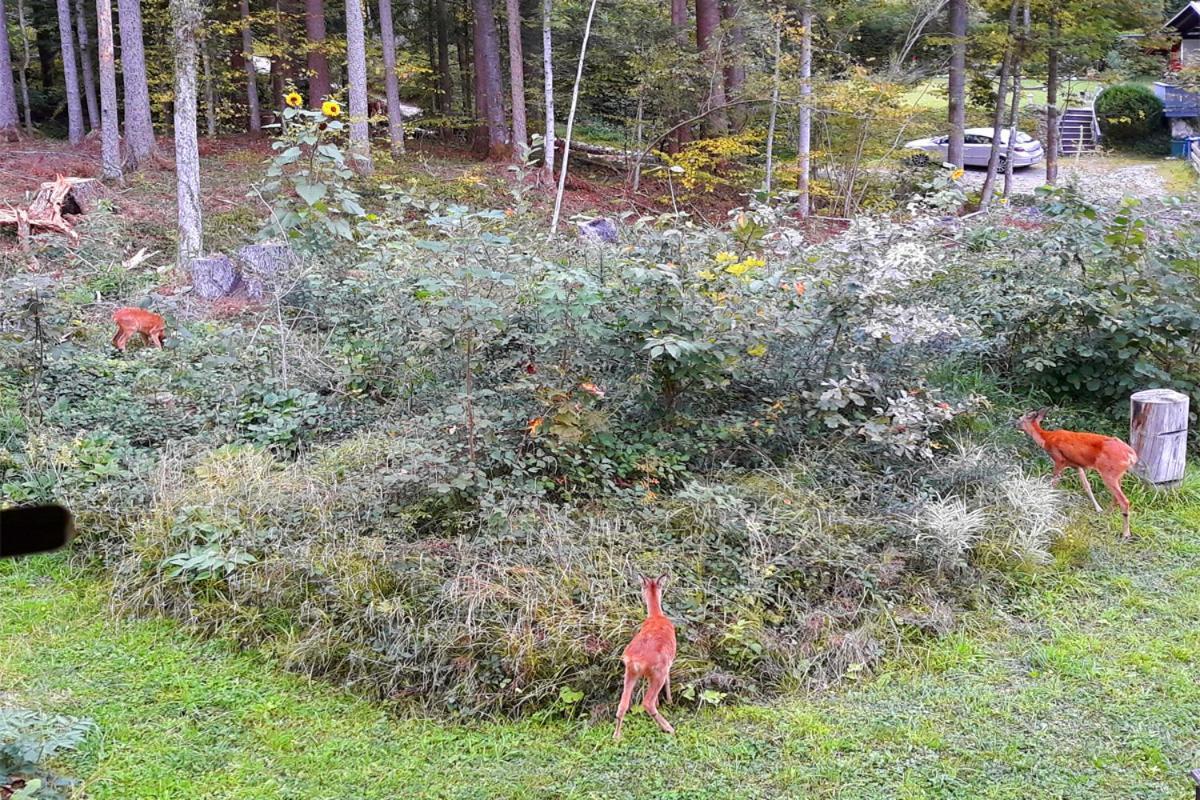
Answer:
(958, 173)
(294, 99)
(331, 108)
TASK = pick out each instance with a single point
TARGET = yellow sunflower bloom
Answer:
(957, 174)
(331, 109)
(725, 257)
(294, 99)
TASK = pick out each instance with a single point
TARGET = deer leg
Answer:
(668, 687)
(626, 699)
(120, 339)
(650, 702)
(1087, 487)
(1113, 482)
(1059, 466)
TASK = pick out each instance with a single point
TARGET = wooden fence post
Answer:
(1158, 425)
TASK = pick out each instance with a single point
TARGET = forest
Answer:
(396, 360)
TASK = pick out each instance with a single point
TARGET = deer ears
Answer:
(660, 581)
(1040, 414)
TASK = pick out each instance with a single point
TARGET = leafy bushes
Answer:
(433, 469)
(1128, 113)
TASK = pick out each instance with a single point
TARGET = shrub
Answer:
(1128, 113)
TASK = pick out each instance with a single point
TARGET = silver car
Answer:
(977, 146)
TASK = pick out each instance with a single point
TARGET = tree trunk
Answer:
(1014, 116)
(465, 59)
(46, 53)
(66, 35)
(1052, 104)
(8, 96)
(86, 67)
(186, 19)
(516, 78)
(110, 133)
(488, 88)
(562, 174)
(279, 61)
(989, 180)
(708, 19)
(139, 129)
(391, 81)
(210, 96)
(548, 87)
(958, 81)
(735, 72)
(23, 72)
(318, 63)
(255, 120)
(679, 21)
(445, 78)
(356, 69)
(774, 109)
(804, 138)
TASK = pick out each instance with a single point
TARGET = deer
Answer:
(131, 320)
(1108, 455)
(649, 655)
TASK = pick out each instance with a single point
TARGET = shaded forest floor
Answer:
(230, 168)
(1088, 688)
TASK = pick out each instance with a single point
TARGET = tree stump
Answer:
(66, 196)
(1158, 425)
(261, 263)
(214, 277)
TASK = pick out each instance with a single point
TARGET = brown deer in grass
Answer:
(132, 320)
(1107, 455)
(649, 656)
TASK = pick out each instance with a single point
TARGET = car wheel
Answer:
(919, 160)
(1001, 163)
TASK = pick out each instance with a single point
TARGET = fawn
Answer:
(132, 320)
(649, 656)
(1106, 454)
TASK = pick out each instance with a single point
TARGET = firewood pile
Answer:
(47, 212)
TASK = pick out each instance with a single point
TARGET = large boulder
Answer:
(599, 230)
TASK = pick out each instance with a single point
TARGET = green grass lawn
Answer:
(932, 93)
(1087, 687)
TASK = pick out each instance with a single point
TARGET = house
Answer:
(1180, 106)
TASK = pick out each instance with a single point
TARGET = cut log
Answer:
(214, 277)
(1158, 425)
(26, 224)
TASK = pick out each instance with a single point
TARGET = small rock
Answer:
(599, 230)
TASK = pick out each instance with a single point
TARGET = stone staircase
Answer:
(1075, 131)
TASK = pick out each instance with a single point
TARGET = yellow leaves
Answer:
(725, 257)
(758, 351)
(535, 425)
(707, 274)
(744, 266)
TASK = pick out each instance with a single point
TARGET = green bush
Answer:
(1128, 114)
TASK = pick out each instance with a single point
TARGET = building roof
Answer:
(1188, 18)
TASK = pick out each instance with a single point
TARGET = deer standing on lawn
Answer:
(131, 320)
(649, 656)
(1107, 455)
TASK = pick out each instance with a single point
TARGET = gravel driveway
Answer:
(1097, 177)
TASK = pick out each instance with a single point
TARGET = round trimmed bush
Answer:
(1128, 113)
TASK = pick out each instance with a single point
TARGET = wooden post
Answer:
(1158, 424)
